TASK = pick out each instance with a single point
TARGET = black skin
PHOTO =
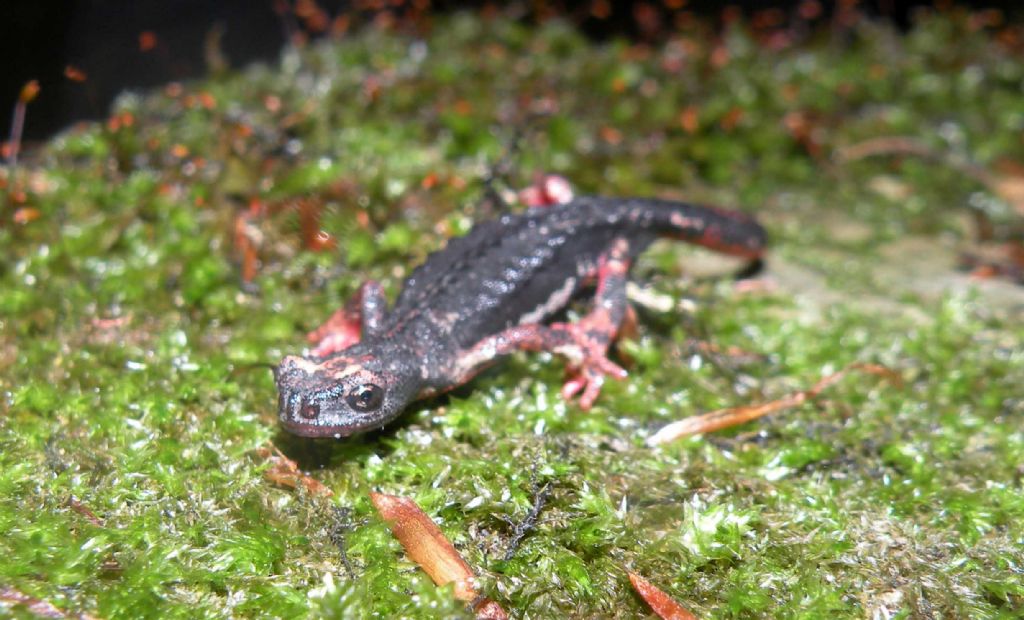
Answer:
(485, 296)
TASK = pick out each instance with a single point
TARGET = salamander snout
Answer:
(337, 397)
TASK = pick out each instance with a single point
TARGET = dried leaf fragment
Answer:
(310, 213)
(286, 472)
(75, 74)
(37, 607)
(664, 605)
(147, 40)
(29, 91)
(1010, 188)
(427, 545)
(25, 215)
(85, 511)
(248, 239)
(724, 418)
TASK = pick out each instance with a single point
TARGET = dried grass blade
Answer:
(427, 545)
(724, 418)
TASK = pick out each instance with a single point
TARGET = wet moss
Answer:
(126, 331)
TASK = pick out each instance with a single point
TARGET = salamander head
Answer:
(339, 396)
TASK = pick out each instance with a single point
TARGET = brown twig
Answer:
(523, 528)
(341, 524)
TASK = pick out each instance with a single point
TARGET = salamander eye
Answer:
(366, 397)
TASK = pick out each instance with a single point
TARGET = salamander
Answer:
(489, 294)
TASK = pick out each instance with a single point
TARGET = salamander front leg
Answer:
(362, 315)
(547, 190)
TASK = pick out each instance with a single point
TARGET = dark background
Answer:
(39, 39)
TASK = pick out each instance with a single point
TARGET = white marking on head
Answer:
(351, 369)
(306, 365)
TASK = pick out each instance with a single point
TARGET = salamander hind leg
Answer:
(362, 315)
(591, 336)
(584, 344)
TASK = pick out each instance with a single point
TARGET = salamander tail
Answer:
(721, 230)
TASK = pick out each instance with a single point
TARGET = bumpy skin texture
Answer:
(485, 296)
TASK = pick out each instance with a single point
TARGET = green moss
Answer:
(130, 478)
